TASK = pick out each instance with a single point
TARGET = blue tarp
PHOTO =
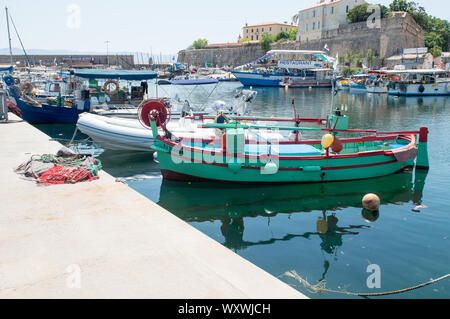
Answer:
(128, 75)
(189, 82)
(10, 69)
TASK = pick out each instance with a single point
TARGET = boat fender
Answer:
(311, 169)
(9, 80)
(109, 91)
(337, 146)
(421, 88)
(270, 169)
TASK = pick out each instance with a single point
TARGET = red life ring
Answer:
(148, 108)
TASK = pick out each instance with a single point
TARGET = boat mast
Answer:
(9, 37)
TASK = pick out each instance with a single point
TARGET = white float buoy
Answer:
(371, 202)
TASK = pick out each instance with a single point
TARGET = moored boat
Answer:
(297, 73)
(236, 159)
(429, 82)
(377, 82)
(65, 111)
(358, 83)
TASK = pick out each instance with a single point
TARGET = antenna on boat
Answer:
(9, 36)
(18, 36)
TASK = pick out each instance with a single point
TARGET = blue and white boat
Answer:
(36, 112)
(287, 71)
(428, 82)
(358, 83)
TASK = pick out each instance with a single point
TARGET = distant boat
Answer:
(377, 82)
(430, 82)
(304, 73)
(358, 83)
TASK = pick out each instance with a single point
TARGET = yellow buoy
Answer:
(327, 140)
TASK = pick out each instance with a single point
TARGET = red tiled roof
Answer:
(270, 23)
(223, 45)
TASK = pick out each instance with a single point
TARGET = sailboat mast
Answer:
(9, 36)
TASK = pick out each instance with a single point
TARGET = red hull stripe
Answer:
(292, 158)
(195, 161)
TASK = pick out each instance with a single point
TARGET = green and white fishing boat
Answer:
(236, 159)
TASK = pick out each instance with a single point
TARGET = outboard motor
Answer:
(244, 98)
(186, 110)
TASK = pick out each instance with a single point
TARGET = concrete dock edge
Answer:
(102, 239)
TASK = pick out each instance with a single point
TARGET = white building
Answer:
(324, 16)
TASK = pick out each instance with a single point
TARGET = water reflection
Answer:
(232, 205)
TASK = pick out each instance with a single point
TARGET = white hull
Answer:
(115, 133)
(358, 90)
(128, 134)
(377, 89)
(439, 88)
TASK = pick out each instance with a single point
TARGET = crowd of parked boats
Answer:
(222, 141)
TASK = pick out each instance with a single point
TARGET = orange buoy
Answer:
(337, 146)
(371, 202)
(224, 142)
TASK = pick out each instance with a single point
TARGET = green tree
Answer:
(283, 35)
(293, 34)
(199, 44)
(348, 58)
(436, 51)
(401, 5)
(356, 58)
(266, 41)
(370, 57)
(362, 13)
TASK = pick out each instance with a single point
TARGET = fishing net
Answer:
(66, 167)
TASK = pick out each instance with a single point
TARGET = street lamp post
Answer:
(107, 51)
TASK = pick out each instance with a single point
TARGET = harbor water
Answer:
(320, 231)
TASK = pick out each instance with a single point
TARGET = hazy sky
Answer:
(148, 25)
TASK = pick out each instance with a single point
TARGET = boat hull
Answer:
(48, 114)
(437, 89)
(115, 137)
(272, 80)
(290, 171)
(377, 90)
(358, 88)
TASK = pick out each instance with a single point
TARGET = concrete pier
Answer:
(104, 240)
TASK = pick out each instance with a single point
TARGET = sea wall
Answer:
(230, 56)
(397, 32)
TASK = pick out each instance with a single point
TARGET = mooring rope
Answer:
(319, 289)
(73, 137)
